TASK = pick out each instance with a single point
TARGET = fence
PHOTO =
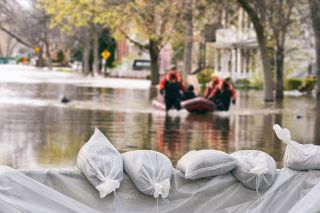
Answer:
(7, 60)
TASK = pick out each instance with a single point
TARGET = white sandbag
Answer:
(255, 169)
(298, 156)
(150, 171)
(101, 163)
(205, 163)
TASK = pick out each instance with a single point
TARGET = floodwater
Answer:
(37, 131)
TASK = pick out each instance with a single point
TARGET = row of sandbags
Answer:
(151, 171)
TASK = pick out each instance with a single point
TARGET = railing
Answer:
(142, 74)
(233, 35)
(7, 60)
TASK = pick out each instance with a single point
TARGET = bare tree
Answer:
(29, 26)
(256, 10)
(315, 16)
(279, 19)
(11, 44)
(187, 57)
(5, 9)
(37, 31)
(9, 12)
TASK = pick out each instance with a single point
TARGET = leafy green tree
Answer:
(154, 21)
(85, 18)
(107, 42)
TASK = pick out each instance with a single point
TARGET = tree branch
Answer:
(254, 18)
(163, 41)
(15, 37)
(142, 46)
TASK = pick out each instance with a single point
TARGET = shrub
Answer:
(308, 84)
(242, 83)
(293, 83)
(257, 81)
(60, 56)
(67, 70)
(19, 60)
(204, 76)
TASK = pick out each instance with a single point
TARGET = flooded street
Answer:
(39, 131)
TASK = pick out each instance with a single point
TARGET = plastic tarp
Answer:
(59, 190)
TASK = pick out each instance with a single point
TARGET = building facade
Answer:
(233, 50)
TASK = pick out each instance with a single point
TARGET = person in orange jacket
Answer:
(221, 92)
(171, 86)
(213, 87)
(165, 78)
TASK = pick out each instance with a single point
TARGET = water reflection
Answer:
(177, 135)
(153, 93)
(169, 137)
(50, 134)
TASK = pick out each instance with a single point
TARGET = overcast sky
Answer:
(25, 3)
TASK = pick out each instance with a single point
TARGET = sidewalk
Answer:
(29, 74)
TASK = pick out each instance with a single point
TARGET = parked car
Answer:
(141, 64)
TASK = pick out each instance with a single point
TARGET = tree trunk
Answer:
(1, 53)
(9, 41)
(12, 48)
(21, 41)
(85, 57)
(96, 58)
(279, 72)
(267, 75)
(48, 55)
(265, 57)
(40, 57)
(315, 15)
(154, 55)
(202, 52)
(317, 124)
(187, 56)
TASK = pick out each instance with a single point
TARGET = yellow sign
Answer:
(36, 49)
(105, 54)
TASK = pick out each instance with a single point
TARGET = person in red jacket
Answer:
(213, 87)
(221, 92)
(165, 78)
(171, 86)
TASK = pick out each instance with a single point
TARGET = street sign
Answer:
(105, 54)
(37, 50)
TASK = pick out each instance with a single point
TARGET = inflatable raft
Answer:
(194, 105)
